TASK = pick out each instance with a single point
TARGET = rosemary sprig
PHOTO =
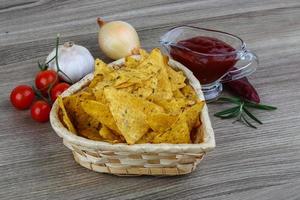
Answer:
(241, 111)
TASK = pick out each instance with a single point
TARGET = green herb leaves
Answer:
(241, 111)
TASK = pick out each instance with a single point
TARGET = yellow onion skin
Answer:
(117, 39)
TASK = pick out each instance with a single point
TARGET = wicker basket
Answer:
(137, 159)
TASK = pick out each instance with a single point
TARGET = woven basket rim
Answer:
(207, 145)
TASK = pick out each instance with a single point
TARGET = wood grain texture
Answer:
(247, 164)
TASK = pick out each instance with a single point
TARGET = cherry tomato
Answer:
(40, 111)
(58, 89)
(22, 97)
(44, 79)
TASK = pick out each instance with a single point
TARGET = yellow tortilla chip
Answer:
(189, 92)
(125, 77)
(152, 64)
(140, 74)
(172, 106)
(192, 114)
(100, 112)
(160, 122)
(123, 84)
(178, 134)
(147, 138)
(144, 54)
(141, 101)
(98, 91)
(178, 94)
(80, 118)
(108, 135)
(131, 62)
(99, 95)
(88, 91)
(85, 95)
(91, 133)
(197, 134)
(65, 116)
(129, 113)
(97, 78)
(147, 88)
(102, 68)
(130, 89)
(176, 78)
(133, 101)
(164, 89)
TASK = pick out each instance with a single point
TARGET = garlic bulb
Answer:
(117, 39)
(74, 60)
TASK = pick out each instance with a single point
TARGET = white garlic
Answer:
(74, 60)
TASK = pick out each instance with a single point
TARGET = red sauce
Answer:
(207, 68)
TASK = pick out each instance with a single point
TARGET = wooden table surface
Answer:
(247, 163)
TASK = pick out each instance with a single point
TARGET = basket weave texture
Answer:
(137, 159)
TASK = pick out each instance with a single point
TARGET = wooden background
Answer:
(247, 163)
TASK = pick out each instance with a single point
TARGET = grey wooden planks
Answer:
(247, 164)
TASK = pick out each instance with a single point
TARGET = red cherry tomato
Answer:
(44, 79)
(40, 111)
(58, 89)
(22, 97)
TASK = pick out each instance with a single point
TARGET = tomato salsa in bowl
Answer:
(213, 56)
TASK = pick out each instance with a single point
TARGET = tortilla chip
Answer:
(152, 64)
(100, 112)
(172, 106)
(189, 92)
(79, 117)
(129, 113)
(144, 54)
(91, 133)
(131, 89)
(196, 134)
(192, 114)
(141, 101)
(113, 95)
(147, 88)
(131, 62)
(147, 138)
(65, 116)
(108, 135)
(146, 71)
(160, 122)
(102, 68)
(176, 78)
(164, 91)
(126, 84)
(178, 94)
(97, 78)
(178, 134)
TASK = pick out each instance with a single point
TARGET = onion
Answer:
(117, 39)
